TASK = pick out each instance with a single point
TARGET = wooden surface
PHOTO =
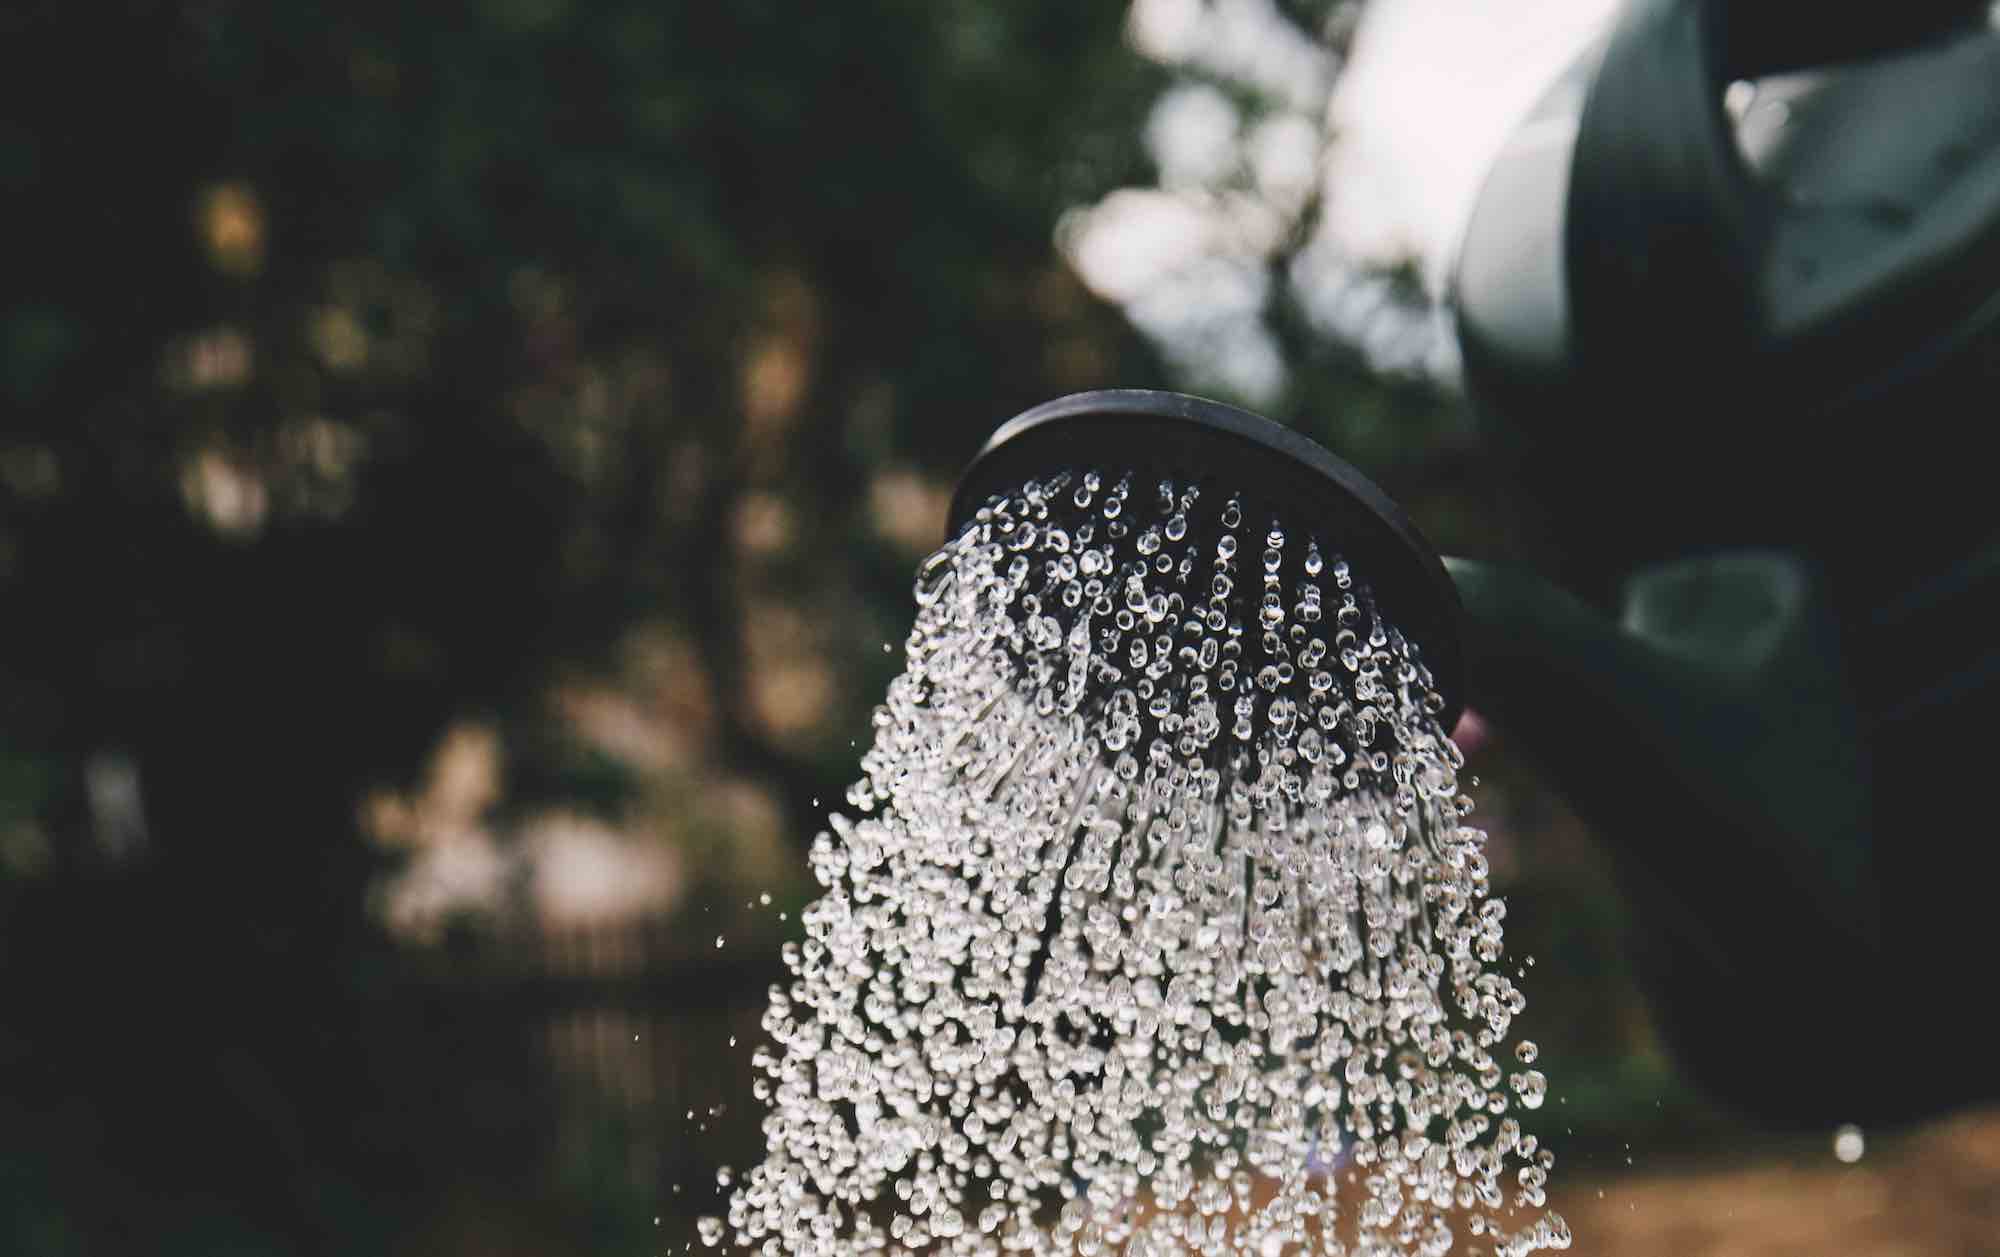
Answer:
(1929, 1192)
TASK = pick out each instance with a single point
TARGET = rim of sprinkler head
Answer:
(1273, 469)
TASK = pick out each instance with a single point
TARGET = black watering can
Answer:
(1729, 299)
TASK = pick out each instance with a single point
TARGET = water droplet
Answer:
(1532, 1087)
(1848, 1144)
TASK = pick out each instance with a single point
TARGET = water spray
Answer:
(1156, 923)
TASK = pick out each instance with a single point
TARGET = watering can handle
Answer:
(1772, 36)
(1666, 227)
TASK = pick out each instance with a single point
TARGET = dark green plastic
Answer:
(1743, 358)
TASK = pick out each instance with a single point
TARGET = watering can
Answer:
(1729, 302)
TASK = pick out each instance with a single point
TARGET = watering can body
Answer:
(1730, 301)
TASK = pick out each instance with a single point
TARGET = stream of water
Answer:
(1155, 924)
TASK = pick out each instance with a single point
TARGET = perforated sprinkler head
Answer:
(1148, 437)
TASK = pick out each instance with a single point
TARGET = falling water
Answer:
(1156, 926)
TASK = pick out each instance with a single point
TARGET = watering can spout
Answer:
(1730, 235)
(1707, 733)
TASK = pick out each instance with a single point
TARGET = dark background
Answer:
(460, 466)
